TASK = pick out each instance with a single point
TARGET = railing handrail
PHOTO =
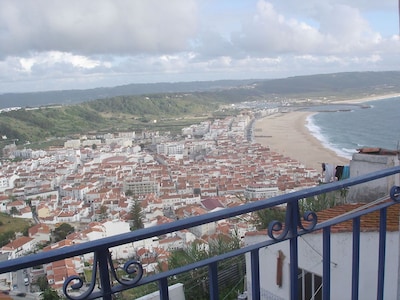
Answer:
(259, 245)
(141, 234)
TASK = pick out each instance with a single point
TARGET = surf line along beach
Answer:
(287, 134)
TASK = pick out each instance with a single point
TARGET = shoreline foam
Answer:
(289, 134)
(315, 131)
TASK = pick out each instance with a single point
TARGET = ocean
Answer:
(346, 128)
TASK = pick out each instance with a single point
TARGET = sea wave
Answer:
(315, 130)
(345, 132)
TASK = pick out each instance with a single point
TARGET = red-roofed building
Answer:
(18, 204)
(171, 243)
(19, 247)
(57, 272)
(211, 203)
(24, 213)
(40, 232)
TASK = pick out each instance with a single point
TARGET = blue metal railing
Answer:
(290, 230)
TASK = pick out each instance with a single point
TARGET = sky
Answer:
(75, 44)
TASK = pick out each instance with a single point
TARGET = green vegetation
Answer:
(263, 217)
(170, 111)
(42, 282)
(6, 237)
(128, 113)
(49, 294)
(62, 231)
(136, 216)
(162, 105)
(9, 226)
(323, 201)
(103, 213)
(230, 271)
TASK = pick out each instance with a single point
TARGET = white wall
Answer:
(175, 292)
(367, 163)
(310, 259)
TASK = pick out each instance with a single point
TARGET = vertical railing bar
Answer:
(382, 250)
(326, 266)
(213, 280)
(355, 277)
(255, 274)
(105, 284)
(293, 211)
(303, 284)
(163, 287)
(294, 268)
(312, 286)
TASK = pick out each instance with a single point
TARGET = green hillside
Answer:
(174, 110)
(106, 115)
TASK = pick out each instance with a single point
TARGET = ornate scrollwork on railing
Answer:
(133, 270)
(73, 284)
(75, 288)
(395, 193)
(277, 231)
(310, 217)
(276, 226)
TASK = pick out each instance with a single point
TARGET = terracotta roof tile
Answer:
(368, 222)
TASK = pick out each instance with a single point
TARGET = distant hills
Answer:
(67, 97)
(53, 117)
(330, 86)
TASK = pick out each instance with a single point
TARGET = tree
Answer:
(195, 281)
(49, 294)
(136, 216)
(264, 216)
(103, 212)
(14, 211)
(62, 231)
(6, 237)
(323, 201)
(42, 283)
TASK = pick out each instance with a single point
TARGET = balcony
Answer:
(107, 282)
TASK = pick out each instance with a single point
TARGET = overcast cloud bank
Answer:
(47, 45)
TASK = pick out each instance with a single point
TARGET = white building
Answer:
(19, 247)
(7, 182)
(74, 144)
(370, 160)
(260, 192)
(170, 148)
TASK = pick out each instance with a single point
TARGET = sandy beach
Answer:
(286, 133)
(366, 99)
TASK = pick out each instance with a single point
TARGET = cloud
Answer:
(52, 58)
(331, 29)
(96, 26)
(78, 44)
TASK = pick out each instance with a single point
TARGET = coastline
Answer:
(287, 134)
(365, 99)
